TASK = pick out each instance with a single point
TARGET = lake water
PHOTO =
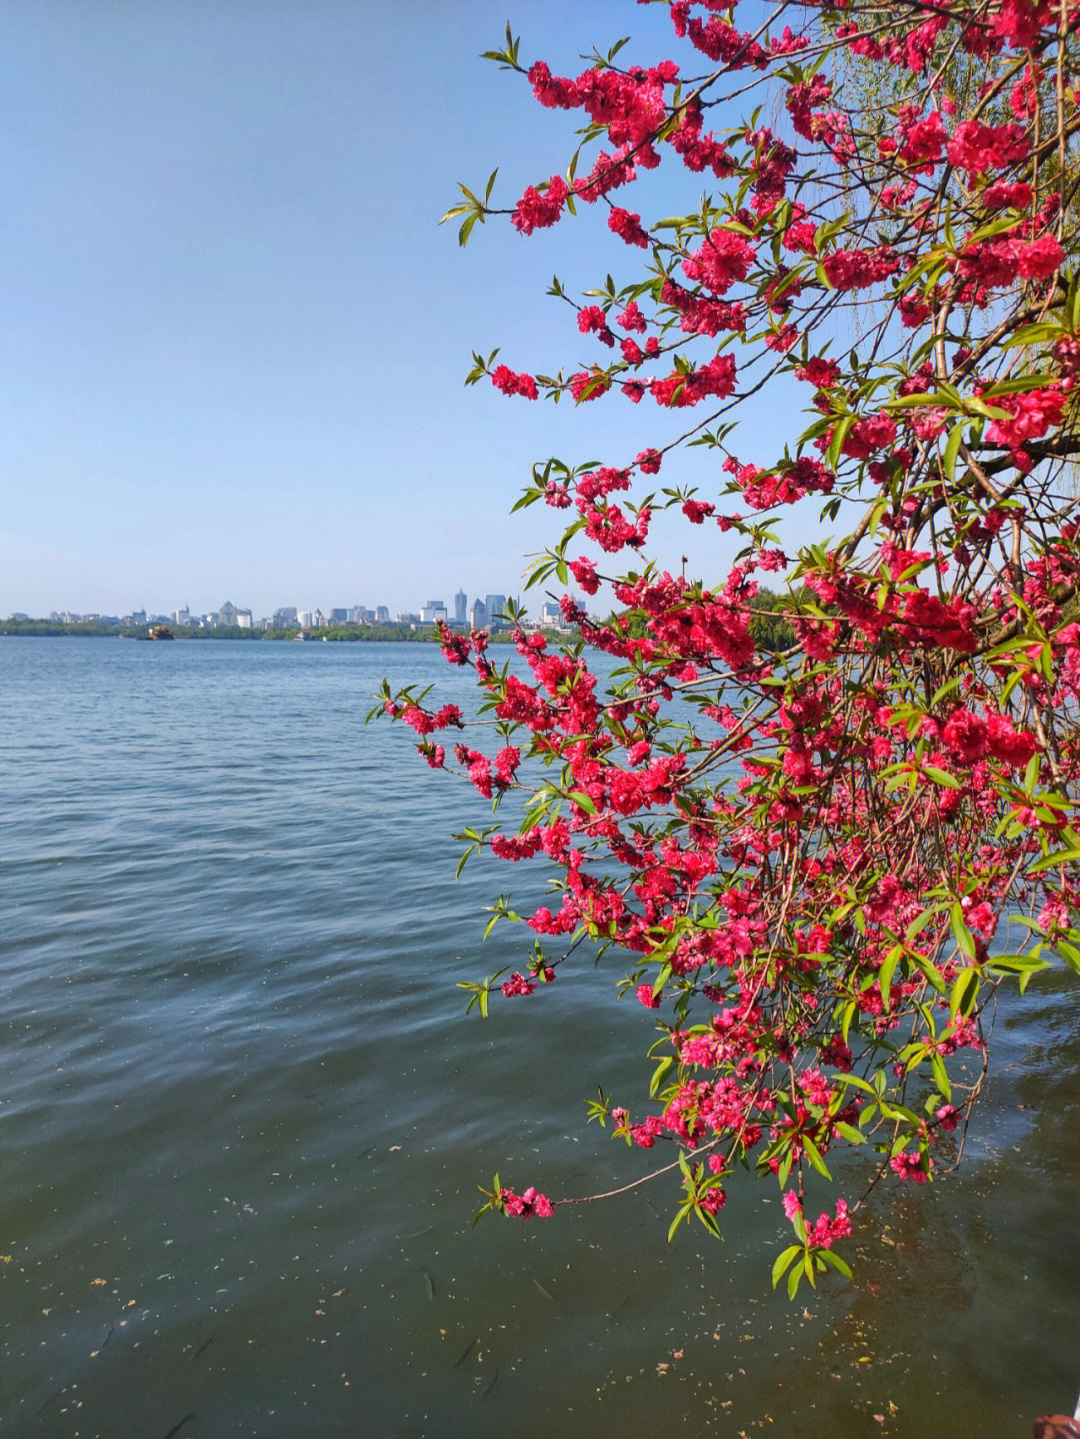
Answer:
(245, 1117)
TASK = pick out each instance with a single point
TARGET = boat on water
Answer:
(160, 632)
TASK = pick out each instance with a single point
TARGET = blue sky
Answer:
(233, 336)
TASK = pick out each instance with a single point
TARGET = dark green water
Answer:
(239, 1088)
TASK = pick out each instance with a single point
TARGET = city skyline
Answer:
(487, 611)
(458, 613)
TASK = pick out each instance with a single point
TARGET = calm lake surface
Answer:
(244, 1116)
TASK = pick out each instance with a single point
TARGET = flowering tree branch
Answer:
(814, 854)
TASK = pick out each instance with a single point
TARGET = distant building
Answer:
(432, 612)
(461, 608)
(243, 619)
(479, 617)
(339, 616)
(496, 609)
(360, 615)
(305, 619)
(407, 618)
(182, 617)
(382, 614)
(138, 617)
(227, 614)
(285, 618)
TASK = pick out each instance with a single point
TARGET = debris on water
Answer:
(430, 1284)
(545, 1292)
(177, 1427)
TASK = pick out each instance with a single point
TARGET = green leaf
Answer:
(930, 969)
(886, 972)
(831, 1257)
(965, 940)
(939, 776)
(659, 1073)
(1023, 965)
(783, 1263)
(1031, 774)
(785, 1167)
(920, 922)
(1059, 856)
(941, 1074)
(794, 1279)
(851, 1134)
(840, 434)
(849, 1015)
(813, 1153)
(965, 991)
(952, 449)
(683, 1212)
(582, 800)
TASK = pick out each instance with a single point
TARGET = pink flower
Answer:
(724, 258)
(628, 227)
(517, 984)
(631, 318)
(528, 1205)
(976, 147)
(504, 379)
(536, 211)
(910, 1166)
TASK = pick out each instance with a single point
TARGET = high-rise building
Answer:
(496, 608)
(382, 614)
(285, 618)
(433, 611)
(339, 616)
(461, 608)
(479, 617)
(227, 614)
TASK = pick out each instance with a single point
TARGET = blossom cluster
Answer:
(801, 816)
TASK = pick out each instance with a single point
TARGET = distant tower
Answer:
(479, 615)
(496, 610)
(461, 608)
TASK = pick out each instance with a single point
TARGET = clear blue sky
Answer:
(233, 335)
